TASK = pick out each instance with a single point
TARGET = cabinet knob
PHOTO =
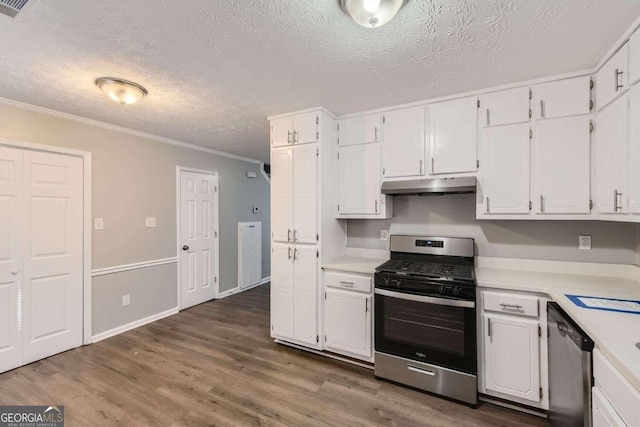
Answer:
(15, 271)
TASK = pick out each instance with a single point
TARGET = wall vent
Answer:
(12, 8)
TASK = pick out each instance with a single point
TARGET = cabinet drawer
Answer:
(619, 392)
(348, 281)
(520, 305)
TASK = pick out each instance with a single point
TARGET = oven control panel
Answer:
(427, 288)
(430, 243)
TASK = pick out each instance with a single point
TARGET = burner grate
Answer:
(450, 271)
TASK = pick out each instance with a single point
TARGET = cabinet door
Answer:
(453, 136)
(282, 291)
(512, 357)
(612, 79)
(506, 174)
(634, 58)
(282, 194)
(347, 320)
(633, 163)
(359, 130)
(359, 177)
(562, 98)
(306, 128)
(562, 159)
(281, 132)
(603, 414)
(505, 107)
(305, 194)
(305, 260)
(610, 139)
(403, 146)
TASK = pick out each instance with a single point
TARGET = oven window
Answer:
(424, 325)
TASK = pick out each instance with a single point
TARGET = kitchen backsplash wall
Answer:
(454, 215)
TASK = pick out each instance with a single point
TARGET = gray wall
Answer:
(135, 177)
(455, 216)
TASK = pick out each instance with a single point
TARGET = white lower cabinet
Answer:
(603, 414)
(348, 320)
(513, 349)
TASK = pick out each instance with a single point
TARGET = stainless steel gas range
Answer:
(425, 316)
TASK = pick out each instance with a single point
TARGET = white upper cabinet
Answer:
(634, 58)
(403, 146)
(282, 132)
(633, 162)
(453, 136)
(282, 194)
(562, 98)
(562, 159)
(613, 78)
(505, 107)
(306, 128)
(610, 139)
(359, 177)
(505, 177)
(359, 130)
(305, 194)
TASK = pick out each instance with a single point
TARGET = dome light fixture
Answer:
(372, 13)
(121, 91)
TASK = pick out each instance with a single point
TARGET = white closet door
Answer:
(10, 257)
(52, 264)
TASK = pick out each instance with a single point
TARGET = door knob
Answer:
(14, 271)
(185, 248)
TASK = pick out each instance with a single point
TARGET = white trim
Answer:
(135, 324)
(264, 174)
(228, 293)
(308, 110)
(237, 289)
(133, 266)
(87, 230)
(103, 125)
(216, 225)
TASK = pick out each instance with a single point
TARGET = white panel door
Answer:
(610, 139)
(403, 146)
(633, 162)
(282, 194)
(359, 170)
(53, 256)
(562, 164)
(198, 234)
(282, 132)
(305, 194)
(306, 128)
(305, 279)
(506, 169)
(613, 77)
(359, 130)
(453, 140)
(562, 98)
(505, 107)
(347, 322)
(512, 357)
(281, 291)
(11, 217)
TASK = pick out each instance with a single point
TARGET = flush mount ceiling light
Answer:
(372, 13)
(122, 91)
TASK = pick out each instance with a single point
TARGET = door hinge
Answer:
(477, 164)
(540, 392)
(530, 133)
(366, 305)
(384, 119)
(590, 126)
(317, 237)
(317, 152)
(530, 113)
(489, 327)
(338, 140)
(591, 84)
(590, 204)
(338, 156)
(383, 171)
(215, 234)
(338, 126)
(317, 338)
(317, 136)
(325, 295)
(478, 103)
(272, 327)
(530, 96)
(317, 120)
(540, 331)
(530, 205)
(215, 279)
(590, 105)
(317, 254)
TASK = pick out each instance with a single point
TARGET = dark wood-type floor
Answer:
(215, 364)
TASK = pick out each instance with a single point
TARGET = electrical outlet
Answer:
(150, 221)
(98, 223)
(584, 242)
(384, 235)
(126, 300)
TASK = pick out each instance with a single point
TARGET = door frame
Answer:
(86, 222)
(215, 223)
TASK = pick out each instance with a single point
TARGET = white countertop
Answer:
(614, 334)
(354, 264)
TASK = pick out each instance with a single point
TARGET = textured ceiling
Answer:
(216, 69)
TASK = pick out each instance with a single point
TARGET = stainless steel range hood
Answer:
(430, 187)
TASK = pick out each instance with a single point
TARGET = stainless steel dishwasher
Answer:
(570, 370)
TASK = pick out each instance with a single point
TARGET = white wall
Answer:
(454, 215)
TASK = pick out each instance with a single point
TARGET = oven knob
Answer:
(442, 289)
(386, 281)
(456, 290)
(396, 283)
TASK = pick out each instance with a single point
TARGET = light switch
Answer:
(150, 221)
(256, 210)
(126, 300)
(98, 223)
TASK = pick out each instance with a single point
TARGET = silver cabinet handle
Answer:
(289, 137)
(541, 108)
(295, 235)
(618, 74)
(347, 284)
(366, 306)
(421, 371)
(489, 327)
(376, 133)
(487, 204)
(295, 253)
(616, 194)
(376, 206)
(487, 117)
(288, 235)
(289, 251)
(295, 136)
(420, 173)
(511, 306)
(541, 203)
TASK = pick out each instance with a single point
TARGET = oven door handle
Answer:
(430, 300)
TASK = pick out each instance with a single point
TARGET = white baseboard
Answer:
(238, 290)
(124, 328)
